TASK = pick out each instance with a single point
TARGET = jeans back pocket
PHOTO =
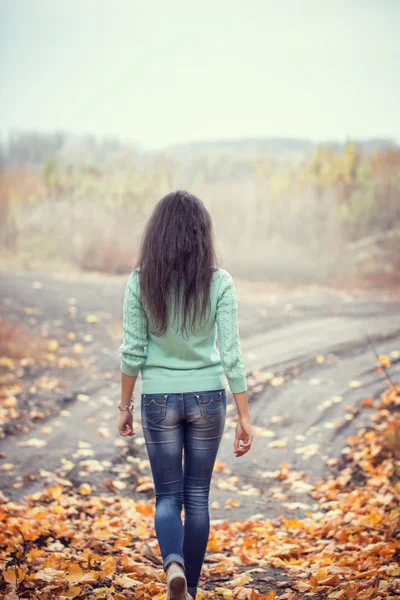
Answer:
(211, 404)
(154, 407)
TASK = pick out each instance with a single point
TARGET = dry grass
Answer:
(290, 236)
(17, 344)
(109, 256)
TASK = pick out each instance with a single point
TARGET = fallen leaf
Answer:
(277, 444)
(354, 383)
(92, 319)
(53, 345)
(85, 489)
(33, 443)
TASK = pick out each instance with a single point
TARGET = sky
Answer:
(162, 72)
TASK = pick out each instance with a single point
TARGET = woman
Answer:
(176, 302)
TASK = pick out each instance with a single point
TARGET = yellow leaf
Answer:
(333, 581)
(32, 443)
(126, 582)
(7, 467)
(85, 489)
(76, 574)
(13, 575)
(46, 430)
(366, 574)
(145, 487)
(90, 577)
(384, 361)
(241, 580)
(83, 398)
(277, 381)
(232, 504)
(6, 362)
(355, 383)
(77, 348)
(119, 485)
(104, 592)
(104, 432)
(49, 574)
(53, 345)
(92, 319)
(55, 491)
(227, 594)
(277, 444)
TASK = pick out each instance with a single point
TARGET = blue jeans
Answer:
(191, 424)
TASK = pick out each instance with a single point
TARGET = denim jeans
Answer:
(189, 425)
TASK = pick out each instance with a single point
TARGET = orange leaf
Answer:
(367, 402)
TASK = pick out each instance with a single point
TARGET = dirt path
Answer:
(311, 342)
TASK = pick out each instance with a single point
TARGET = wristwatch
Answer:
(129, 407)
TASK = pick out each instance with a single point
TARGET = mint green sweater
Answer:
(172, 363)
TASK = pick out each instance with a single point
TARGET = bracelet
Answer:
(129, 407)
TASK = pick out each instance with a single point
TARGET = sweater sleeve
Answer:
(228, 335)
(132, 351)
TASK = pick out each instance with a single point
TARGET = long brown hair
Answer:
(177, 257)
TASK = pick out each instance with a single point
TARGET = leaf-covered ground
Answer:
(70, 543)
(333, 522)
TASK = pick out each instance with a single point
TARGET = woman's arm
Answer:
(228, 335)
(125, 422)
(231, 357)
(133, 348)
(127, 387)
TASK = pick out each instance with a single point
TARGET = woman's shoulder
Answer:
(221, 274)
(221, 279)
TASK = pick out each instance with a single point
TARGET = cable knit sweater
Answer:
(172, 363)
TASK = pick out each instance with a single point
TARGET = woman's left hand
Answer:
(125, 424)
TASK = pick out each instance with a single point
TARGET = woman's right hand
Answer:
(243, 437)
